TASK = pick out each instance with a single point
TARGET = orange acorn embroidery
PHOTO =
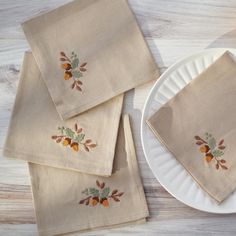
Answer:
(72, 69)
(212, 151)
(73, 139)
(101, 195)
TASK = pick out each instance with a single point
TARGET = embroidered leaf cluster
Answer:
(212, 150)
(73, 138)
(101, 195)
(72, 69)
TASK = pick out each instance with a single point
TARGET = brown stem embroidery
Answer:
(101, 195)
(212, 150)
(73, 138)
(72, 69)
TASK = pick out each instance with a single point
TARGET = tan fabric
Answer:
(59, 194)
(102, 33)
(33, 131)
(206, 105)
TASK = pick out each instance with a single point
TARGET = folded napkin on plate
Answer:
(36, 133)
(198, 127)
(89, 51)
(68, 201)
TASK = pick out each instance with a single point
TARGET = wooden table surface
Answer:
(173, 29)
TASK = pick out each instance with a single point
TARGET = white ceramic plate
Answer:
(168, 171)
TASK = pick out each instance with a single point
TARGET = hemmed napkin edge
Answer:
(214, 196)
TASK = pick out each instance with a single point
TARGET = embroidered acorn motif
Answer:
(66, 141)
(204, 148)
(104, 202)
(74, 139)
(75, 146)
(94, 201)
(73, 69)
(208, 157)
(212, 150)
(66, 66)
(101, 196)
(67, 75)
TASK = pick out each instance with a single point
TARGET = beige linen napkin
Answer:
(198, 126)
(36, 133)
(68, 201)
(89, 51)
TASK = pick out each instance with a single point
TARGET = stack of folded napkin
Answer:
(198, 127)
(66, 117)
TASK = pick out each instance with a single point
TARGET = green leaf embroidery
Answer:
(94, 192)
(75, 63)
(217, 153)
(69, 133)
(79, 137)
(105, 192)
(76, 74)
(212, 143)
(61, 130)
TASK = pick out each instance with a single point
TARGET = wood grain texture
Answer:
(173, 29)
